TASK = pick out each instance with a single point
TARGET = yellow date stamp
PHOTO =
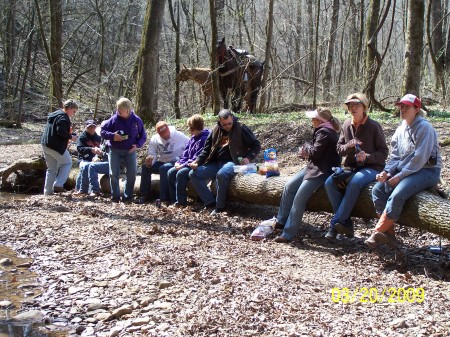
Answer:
(375, 295)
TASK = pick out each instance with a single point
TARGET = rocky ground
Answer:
(120, 270)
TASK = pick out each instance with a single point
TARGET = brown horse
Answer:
(203, 77)
(239, 73)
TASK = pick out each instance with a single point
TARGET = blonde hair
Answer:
(196, 122)
(327, 115)
(362, 97)
(125, 103)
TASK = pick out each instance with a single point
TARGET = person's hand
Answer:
(133, 148)
(96, 150)
(117, 137)
(361, 156)
(245, 161)
(193, 165)
(149, 161)
(382, 176)
(394, 181)
(353, 142)
(178, 166)
(74, 138)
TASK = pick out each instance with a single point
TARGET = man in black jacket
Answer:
(230, 143)
(55, 140)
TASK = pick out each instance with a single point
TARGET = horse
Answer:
(201, 76)
(239, 73)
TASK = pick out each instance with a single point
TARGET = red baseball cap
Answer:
(410, 100)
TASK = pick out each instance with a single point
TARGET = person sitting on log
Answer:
(321, 156)
(164, 149)
(178, 175)
(126, 133)
(88, 146)
(363, 144)
(99, 165)
(415, 164)
(230, 143)
(55, 139)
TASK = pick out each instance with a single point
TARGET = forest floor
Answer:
(123, 269)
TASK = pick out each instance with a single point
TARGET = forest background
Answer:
(316, 52)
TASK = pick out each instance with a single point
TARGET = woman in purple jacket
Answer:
(178, 175)
(126, 133)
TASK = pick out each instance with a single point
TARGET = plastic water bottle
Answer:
(358, 150)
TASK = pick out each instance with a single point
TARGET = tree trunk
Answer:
(56, 54)
(425, 210)
(148, 62)
(176, 28)
(414, 45)
(269, 31)
(330, 54)
(213, 59)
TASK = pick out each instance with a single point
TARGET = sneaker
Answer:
(216, 211)
(59, 189)
(79, 194)
(204, 207)
(344, 230)
(127, 200)
(96, 194)
(331, 234)
(281, 239)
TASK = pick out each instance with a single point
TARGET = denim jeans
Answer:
(58, 168)
(296, 194)
(146, 179)
(391, 200)
(82, 181)
(222, 172)
(116, 156)
(178, 182)
(344, 201)
(96, 168)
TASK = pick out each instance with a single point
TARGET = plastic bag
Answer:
(263, 230)
(341, 177)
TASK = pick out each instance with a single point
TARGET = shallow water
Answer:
(19, 284)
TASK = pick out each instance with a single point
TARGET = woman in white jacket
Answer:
(414, 165)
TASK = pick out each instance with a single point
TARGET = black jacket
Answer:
(57, 131)
(85, 144)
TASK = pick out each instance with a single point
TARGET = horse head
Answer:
(183, 75)
(221, 51)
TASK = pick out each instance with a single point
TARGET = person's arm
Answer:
(252, 142)
(142, 135)
(379, 155)
(201, 158)
(321, 143)
(63, 128)
(107, 131)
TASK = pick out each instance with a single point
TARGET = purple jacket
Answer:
(193, 148)
(132, 126)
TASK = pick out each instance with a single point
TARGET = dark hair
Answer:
(70, 103)
(225, 113)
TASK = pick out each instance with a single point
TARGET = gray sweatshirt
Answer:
(412, 146)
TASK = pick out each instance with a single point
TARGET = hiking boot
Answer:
(331, 234)
(344, 230)
(59, 189)
(96, 194)
(115, 200)
(378, 237)
(279, 226)
(204, 207)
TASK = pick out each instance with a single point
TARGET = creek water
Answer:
(17, 285)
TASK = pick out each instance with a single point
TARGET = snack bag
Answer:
(263, 230)
(271, 164)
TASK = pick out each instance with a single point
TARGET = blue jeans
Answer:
(96, 168)
(344, 201)
(296, 194)
(391, 200)
(146, 179)
(178, 182)
(82, 181)
(58, 168)
(222, 172)
(116, 156)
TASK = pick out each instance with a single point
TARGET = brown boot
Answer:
(378, 237)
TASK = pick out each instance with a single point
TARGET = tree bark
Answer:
(148, 62)
(56, 94)
(330, 54)
(414, 45)
(213, 59)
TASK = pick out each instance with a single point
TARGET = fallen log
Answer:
(426, 210)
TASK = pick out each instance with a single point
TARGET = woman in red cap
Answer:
(414, 165)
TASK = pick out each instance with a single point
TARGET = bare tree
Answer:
(213, 59)
(269, 30)
(176, 27)
(331, 51)
(147, 76)
(414, 46)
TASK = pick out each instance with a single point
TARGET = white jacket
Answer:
(170, 150)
